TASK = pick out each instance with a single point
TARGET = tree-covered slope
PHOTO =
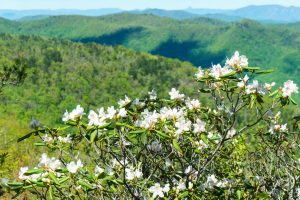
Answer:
(61, 74)
(201, 41)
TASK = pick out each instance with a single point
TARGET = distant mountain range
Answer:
(19, 14)
(266, 13)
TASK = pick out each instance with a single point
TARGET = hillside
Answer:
(61, 74)
(201, 41)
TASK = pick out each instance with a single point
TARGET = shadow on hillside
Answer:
(115, 38)
(189, 50)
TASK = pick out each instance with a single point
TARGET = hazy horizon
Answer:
(137, 4)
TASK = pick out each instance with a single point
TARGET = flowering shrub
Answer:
(234, 146)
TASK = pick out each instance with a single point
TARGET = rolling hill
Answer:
(201, 41)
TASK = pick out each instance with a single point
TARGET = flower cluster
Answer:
(174, 148)
(237, 62)
(76, 114)
(289, 88)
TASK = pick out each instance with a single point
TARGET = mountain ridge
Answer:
(265, 13)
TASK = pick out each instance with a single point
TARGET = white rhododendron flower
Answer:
(158, 191)
(193, 104)
(237, 61)
(199, 126)
(122, 112)
(74, 115)
(22, 171)
(148, 120)
(133, 174)
(155, 146)
(217, 71)
(211, 181)
(174, 94)
(153, 95)
(32, 177)
(231, 133)
(138, 103)
(289, 88)
(65, 140)
(283, 128)
(48, 139)
(183, 125)
(49, 163)
(243, 81)
(98, 170)
(111, 112)
(171, 114)
(278, 128)
(73, 167)
(254, 87)
(180, 186)
(199, 74)
(125, 102)
(201, 145)
(192, 173)
(269, 86)
(97, 119)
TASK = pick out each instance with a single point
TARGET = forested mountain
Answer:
(175, 14)
(61, 74)
(201, 41)
(19, 14)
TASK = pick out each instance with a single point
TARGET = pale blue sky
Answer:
(138, 4)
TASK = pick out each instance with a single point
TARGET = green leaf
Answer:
(104, 126)
(204, 138)
(183, 195)
(251, 68)
(63, 128)
(53, 177)
(94, 135)
(137, 132)
(64, 179)
(50, 193)
(144, 137)
(125, 125)
(293, 101)
(28, 187)
(85, 184)
(162, 135)
(39, 144)
(176, 145)
(72, 123)
(239, 194)
(205, 90)
(265, 71)
(33, 171)
(27, 136)
(273, 93)
(15, 184)
(229, 74)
